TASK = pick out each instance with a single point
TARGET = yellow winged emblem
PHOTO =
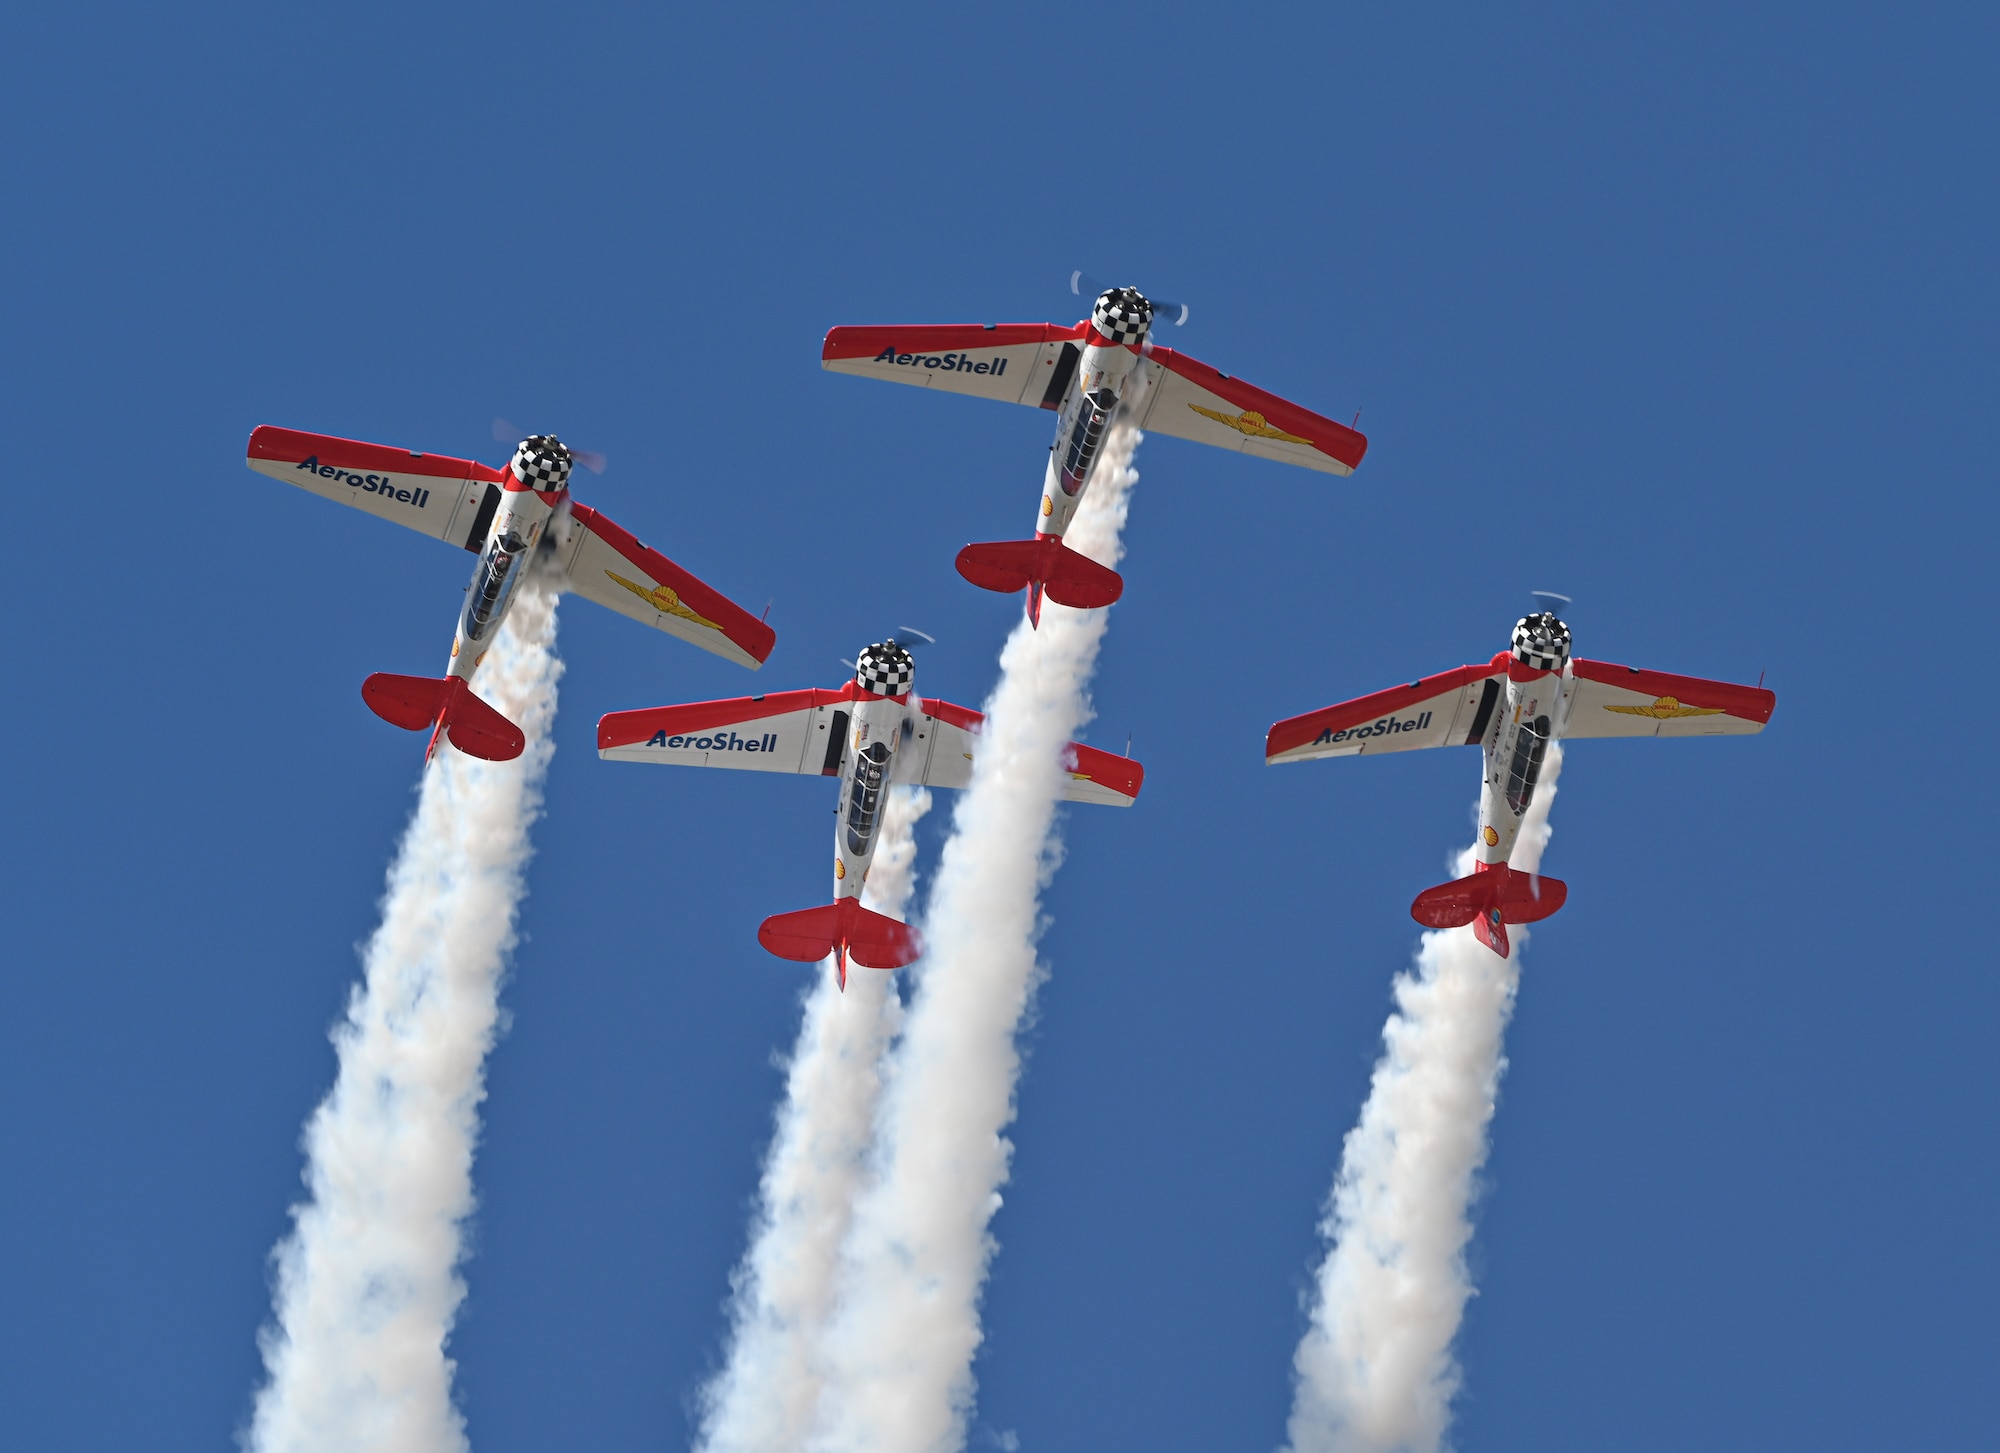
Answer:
(663, 599)
(1664, 708)
(1252, 423)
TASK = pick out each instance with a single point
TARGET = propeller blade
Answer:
(909, 638)
(505, 433)
(1083, 285)
(1547, 601)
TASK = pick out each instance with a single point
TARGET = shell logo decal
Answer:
(1252, 423)
(1666, 708)
(1048, 506)
(839, 870)
(664, 600)
(1492, 837)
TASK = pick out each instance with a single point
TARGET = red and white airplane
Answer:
(1082, 372)
(1513, 707)
(501, 515)
(872, 733)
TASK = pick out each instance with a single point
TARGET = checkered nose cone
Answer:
(1541, 641)
(541, 462)
(885, 669)
(1122, 314)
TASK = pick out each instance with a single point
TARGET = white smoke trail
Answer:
(367, 1282)
(1375, 1371)
(899, 1353)
(764, 1398)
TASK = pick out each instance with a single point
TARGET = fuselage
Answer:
(1534, 709)
(1119, 323)
(520, 523)
(880, 722)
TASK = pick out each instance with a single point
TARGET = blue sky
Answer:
(1689, 314)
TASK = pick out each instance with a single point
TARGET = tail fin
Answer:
(1490, 900)
(448, 708)
(1042, 566)
(845, 929)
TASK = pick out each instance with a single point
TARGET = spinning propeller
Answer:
(506, 433)
(908, 637)
(1547, 602)
(1083, 285)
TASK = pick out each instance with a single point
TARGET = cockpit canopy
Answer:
(1122, 314)
(542, 462)
(1541, 641)
(885, 669)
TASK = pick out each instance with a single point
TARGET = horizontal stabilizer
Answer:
(1520, 897)
(1068, 578)
(871, 939)
(425, 703)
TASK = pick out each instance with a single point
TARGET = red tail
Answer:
(446, 707)
(1490, 899)
(1040, 566)
(841, 928)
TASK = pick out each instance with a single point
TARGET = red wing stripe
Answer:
(870, 342)
(1107, 769)
(1296, 731)
(961, 717)
(737, 623)
(293, 446)
(1751, 703)
(625, 728)
(1335, 440)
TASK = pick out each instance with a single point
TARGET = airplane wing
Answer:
(1450, 709)
(606, 564)
(786, 731)
(942, 748)
(1190, 400)
(1623, 701)
(433, 494)
(805, 732)
(1017, 363)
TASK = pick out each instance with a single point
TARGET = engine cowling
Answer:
(885, 669)
(542, 462)
(1122, 315)
(1541, 642)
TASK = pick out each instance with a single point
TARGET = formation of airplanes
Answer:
(874, 732)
